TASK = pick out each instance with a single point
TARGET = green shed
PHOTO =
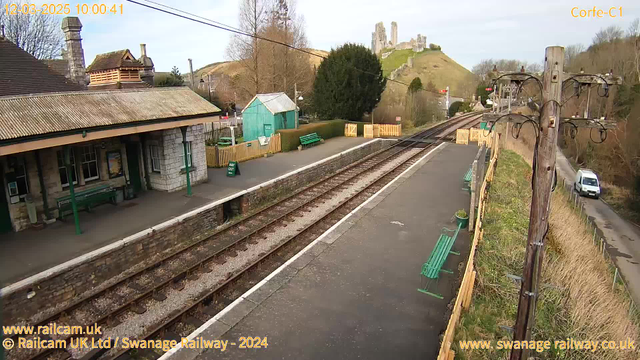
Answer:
(266, 113)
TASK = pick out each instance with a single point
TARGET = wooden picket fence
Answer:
(463, 300)
(220, 156)
(379, 130)
(462, 136)
(350, 130)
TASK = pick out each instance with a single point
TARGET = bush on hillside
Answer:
(348, 84)
(433, 46)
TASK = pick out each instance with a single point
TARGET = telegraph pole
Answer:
(545, 164)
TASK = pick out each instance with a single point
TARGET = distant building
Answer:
(55, 135)
(120, 70)
(267, 113)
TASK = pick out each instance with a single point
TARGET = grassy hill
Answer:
(430, 65)
(232, 68)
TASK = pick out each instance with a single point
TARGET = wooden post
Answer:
(545, 163)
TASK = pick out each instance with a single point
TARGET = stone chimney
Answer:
(148, 73)
(74, 54)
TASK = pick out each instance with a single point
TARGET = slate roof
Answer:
(59, 66)
(39, 114)
(113, 60)
(21, 73)
(274, 102)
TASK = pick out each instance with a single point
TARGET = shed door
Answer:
(268, 130)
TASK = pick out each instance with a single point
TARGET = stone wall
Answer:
(171, 176)
(286, 186)
(97, 272)
(94, 271)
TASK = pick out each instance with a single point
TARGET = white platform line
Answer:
(9, 289)
(257, 286)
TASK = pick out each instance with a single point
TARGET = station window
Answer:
(89, 157)
(18, 184)
(156, 157)
(188, 154)
(64, 180)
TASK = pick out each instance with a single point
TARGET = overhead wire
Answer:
(221, 26)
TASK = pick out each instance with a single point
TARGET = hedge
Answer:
(325, 129)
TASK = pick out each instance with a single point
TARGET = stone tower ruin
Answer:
(394, 34)
(379, 39)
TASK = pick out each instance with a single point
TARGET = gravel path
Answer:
(135, 325)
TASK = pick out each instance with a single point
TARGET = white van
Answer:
(587, 183)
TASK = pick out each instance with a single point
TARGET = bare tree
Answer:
(571, 52)
(609, 34)
(483, 67)
(634, 28)
(245, 49)
(38, 34)
(534, 68)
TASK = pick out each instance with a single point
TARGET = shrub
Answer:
(434, 47)
(290, 138)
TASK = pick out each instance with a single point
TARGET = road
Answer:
(621, 236)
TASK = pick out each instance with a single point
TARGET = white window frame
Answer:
(89, 150)
(155, 154)
(188, 152)
(72, 161)
(24, 177)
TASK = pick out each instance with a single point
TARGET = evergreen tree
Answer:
(173, 79)
(349, 83)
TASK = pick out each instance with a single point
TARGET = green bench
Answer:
(310, 139)
(467, 179)
(432, 268)
(86, 199)
(225, 141)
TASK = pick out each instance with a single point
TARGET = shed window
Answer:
(64, 180)
(156, 157)
(90, 163)
(188, 154)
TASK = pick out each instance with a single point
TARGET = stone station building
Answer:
(123, 142)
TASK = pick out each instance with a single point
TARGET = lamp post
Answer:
(296, 97)
(208, 87)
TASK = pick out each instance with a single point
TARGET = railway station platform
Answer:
(352, 293)
(31, 251)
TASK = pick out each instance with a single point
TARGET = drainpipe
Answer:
(72, 193)
(43, 189)
(186, 158)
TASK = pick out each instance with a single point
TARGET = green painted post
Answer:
(186, 158)
(74, 206)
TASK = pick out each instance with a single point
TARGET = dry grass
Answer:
(577, 299)
(620, 199)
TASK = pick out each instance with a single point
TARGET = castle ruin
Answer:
(379, 40)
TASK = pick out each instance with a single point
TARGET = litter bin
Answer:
(31, 209)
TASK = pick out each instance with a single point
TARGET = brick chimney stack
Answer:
(148, 73)
(74, 55)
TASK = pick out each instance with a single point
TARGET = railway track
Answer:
(181, 291)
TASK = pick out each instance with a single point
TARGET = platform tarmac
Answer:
(352, 293)
(31, 251)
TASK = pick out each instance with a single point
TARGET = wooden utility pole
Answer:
(545, 164)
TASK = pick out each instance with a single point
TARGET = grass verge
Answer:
(577, 300)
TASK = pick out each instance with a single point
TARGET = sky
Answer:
(468, 31)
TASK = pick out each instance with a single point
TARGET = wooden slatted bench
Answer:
(310, 139)
(225, 141)
(467, 178)
(86, 199)
(433, 267)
